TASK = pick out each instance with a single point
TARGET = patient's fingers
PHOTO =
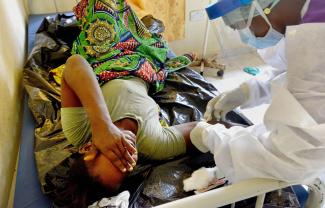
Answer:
(112, 156)
(116, 157)
(135, 157)
(129, 150)
(129, 142)
(130, 165)
(130, 136)
(120, 150)
(125, 157)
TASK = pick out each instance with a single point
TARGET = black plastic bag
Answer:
(183, 99)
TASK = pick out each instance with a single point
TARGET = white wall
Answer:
(13, 15)
(51, 6)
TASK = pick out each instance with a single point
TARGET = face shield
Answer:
(238, 19)
(236, 13)
(271, 38)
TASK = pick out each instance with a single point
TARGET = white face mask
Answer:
(271, 38)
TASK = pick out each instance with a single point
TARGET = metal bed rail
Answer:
(230, 194)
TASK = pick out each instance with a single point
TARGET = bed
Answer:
(29, 192)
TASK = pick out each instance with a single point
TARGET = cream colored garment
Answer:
(171, 12)
(128, 99)
(290, 146)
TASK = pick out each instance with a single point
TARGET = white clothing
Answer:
(290, 146)
(253, 92)
(259, 87)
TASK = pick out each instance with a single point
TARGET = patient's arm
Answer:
(226, 124)
(186, 129)
(80, 88)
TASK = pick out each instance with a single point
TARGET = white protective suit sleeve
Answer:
(290, 146)
(260, 86)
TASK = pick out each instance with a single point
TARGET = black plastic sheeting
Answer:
(183, 99)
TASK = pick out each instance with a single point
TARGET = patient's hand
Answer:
(131, 141)
(200, 178)
(116, 146)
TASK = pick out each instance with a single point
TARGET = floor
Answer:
(234, 76)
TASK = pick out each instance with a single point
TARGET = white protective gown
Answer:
(260, 86)
(275, 58)
(290, 146)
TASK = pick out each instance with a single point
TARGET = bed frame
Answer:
(28, 193)
(230, 194)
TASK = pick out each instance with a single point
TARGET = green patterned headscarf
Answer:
(118, 45)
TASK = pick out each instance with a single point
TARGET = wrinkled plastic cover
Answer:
(184, 99)
(154, 25)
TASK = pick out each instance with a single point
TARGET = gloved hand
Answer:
(219, 106)
(196, 136)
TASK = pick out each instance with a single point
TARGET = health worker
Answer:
(290, 144)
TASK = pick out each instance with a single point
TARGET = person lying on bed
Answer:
(106, 111)
(117, 45)
(118, 113)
